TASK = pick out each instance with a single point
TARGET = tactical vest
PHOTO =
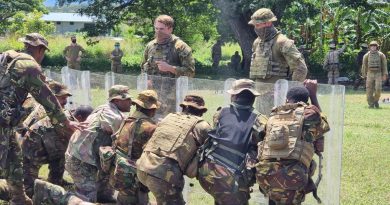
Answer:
(124, 138)
(262, 63)
(283, 138)
(172, 139)
(374, 61)
(231, 139)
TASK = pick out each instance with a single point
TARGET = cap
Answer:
(59, 89)
(147, 99)
(262, 15)
(241, 85)
(35, 39)
(194, 101)
(374, 43)
(120, 92)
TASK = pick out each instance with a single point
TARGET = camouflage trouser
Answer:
(116, 67)
(133, 197)
(332, 77)
(373, 87)
(11, 166)
(225, 187)
(164, 192)
(90, 184)
(74, 65)
(283, 182)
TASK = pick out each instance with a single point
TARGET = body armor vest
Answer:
(333, 61)
(283, 139)
(231, 139)
(374, 61)
(172, 139)
(263, 65)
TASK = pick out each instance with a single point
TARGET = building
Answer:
(68, 22)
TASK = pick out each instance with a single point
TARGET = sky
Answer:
(49, 2)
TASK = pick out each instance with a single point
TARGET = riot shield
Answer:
(52, 75)
(98, 89)
(331, 100)
(78, 83)
(112, 78)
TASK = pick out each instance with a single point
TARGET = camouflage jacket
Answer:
(26, 77)
(176, 53)
(134, 134)
(116, 56)
(101, 124)
(332, 59)
(73, 52)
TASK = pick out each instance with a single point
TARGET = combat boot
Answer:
(376, 104)
(47, 193)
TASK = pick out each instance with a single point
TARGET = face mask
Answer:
(162, 37)
(266, 33)
(73, 40)
(116, 47)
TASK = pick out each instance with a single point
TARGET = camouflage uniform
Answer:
(219, 174)
(45, 143)
(170, 153)
(82, 156)
(374, 68)
(286, 179)
(23, 75)
(176, 53)
(116, 56)
(274, 55)
(73, 53)
(129, 142)
(332, 63)
(216, 53)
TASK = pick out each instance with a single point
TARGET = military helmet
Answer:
(120, 92)
(262, 15)
(374, 43)
(35, 39)
(194, 101)
(147, 99)
(241, 85)
(58, 89)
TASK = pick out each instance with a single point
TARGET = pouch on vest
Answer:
(124, 176)
(278, 138)
(107, 157)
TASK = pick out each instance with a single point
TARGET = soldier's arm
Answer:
(259, 129)
(187, 62)
(365, 65)
(294, 60)
(145, 60)
(384, 64)
(65, 52)
(82, 50)
(342, 49)
(201, 131)
(315, 122)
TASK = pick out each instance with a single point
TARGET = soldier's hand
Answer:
(165, 67)
(74, 125)
(311, 86)
(319, 145)
(384, 77)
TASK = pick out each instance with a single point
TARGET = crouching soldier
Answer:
(294, 133)
(225, 172)
(171, 151)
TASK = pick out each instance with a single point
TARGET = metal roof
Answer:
(67, 17)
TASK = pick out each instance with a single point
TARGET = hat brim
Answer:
(23, 39)
(235, 92)
(253, 21)
(194, 105)
(126, 97)
(144, 105)
(64, 94)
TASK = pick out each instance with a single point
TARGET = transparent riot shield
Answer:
(331, 100)
(265, 101)
(98, 89)
(52, 75)
(78, 83)
(112, 78)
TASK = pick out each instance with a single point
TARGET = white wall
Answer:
(64, 27)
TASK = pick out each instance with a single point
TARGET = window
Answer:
(58, 23)
(71, 23)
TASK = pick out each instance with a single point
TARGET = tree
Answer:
(31, 23)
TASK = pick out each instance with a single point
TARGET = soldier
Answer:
(168, 56)
(82, 156)
(235, 61)
(332, 63)
(216, 53)
(374, 69)
(170, 153)
(82, 112)
(359, 62)
(128, 145)
(274, 55)
(45, 143)
(294, 132)
(116, 56)
(20, 73)
(72, 54)
(224, 172)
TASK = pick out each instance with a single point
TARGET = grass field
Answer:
(365, 177)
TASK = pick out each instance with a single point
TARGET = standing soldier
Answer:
(359, 62)
(168, 56)
(128, 146)
(274, 55)
(294, 132)
(374, 69)
(72, 54)
(224, 173)
(46, 143)
(116, 57)
(332, 63)
(20, 74)
(216, 53)
(170, 153)
(235, 61)
(82, 156)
